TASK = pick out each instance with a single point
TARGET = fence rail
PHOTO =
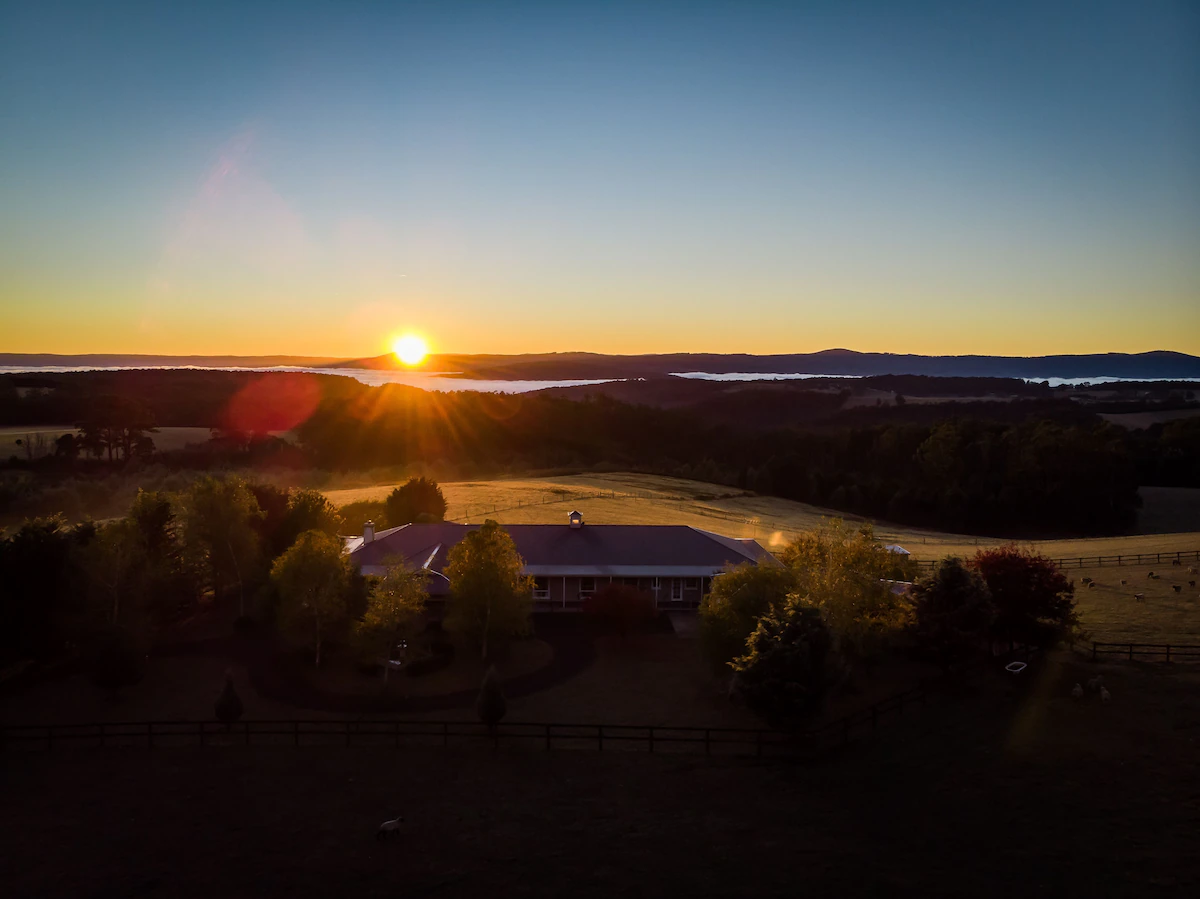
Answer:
(1171, 652)
(1159, 558)
(727, 741)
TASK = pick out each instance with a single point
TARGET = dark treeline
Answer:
(1020, 467)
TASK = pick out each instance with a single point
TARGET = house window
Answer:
(692, 583)
(676, 589)
(587, 585)
(541, 588)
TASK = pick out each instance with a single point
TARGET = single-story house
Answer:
(673, 563)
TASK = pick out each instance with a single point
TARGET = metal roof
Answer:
(554, 549)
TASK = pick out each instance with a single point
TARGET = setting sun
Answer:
(410, 349)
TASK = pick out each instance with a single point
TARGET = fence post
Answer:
(101, 734)
(758, 745)
(445, 733)
(651, 738)
(707, 741)
(295, 733)
(1131, 652)
(547, 737)
(202, 735)
(1168, 652)
(1095, 646)
(600, 737)
(149, 734)
(49, 736)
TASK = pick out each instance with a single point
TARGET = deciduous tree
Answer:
(783, 674)
(395, 611)
(1035, 603)
(738, 599)
(490, 599)
(313, 579)
(420, 499)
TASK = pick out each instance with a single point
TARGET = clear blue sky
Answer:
(315, 178)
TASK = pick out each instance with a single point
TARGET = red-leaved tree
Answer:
(1034, 601)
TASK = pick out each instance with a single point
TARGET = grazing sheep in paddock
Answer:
(1139, 597)
(1176, 562)
(390, 828)
(1096, 683)
(1077, 692)
(1191, 570)
(1178, 588)
(1105, 696)
(1124, 582)
(1192, 584)
(1091, 585)
(1086, 580)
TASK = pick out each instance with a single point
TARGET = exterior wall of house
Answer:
(553, 594)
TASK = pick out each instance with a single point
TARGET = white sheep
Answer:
(1077, 691)
(1105, 696)
(389, 828)
(1096, 683)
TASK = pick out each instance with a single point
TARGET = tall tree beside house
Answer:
(738, 599)
(219, 519)
(395, 611)
(490, 600)
(313, 581)
(844, 571)
(420, 499)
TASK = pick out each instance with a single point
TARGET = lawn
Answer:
(626, 498)
(983, 796)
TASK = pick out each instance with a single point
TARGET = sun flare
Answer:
(410, 349)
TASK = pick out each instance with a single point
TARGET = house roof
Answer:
(553, 550)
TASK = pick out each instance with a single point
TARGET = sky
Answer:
(311, 178)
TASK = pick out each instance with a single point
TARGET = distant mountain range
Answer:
(1158, 364)
(555, 366)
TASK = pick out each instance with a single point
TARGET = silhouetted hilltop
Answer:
(1157, 364)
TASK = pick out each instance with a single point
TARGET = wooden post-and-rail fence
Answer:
(1160, 558)
(729, 741)
(1170, 652)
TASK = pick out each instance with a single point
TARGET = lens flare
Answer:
(410, 349)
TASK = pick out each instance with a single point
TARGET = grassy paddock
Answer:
(624, 498)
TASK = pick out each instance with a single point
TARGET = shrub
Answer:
(621, 607)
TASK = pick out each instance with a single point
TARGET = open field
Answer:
(625, 498)
(166, 439)
(983, 796)
(1110, 613)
